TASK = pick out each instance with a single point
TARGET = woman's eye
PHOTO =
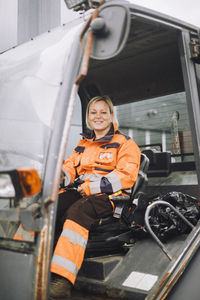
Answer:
(95, 113)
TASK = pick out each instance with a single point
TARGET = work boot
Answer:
(60, 288)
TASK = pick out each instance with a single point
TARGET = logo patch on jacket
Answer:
(105, 155)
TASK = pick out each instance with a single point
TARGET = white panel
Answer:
(36, 17)
(141, 281)
(67, 14)
(8, 24)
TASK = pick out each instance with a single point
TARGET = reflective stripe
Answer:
(63, 273)
(76, 228)
(95, 187)
(115, 181)
(74, 237)
(112, 177)
(67, 251)
(93, 177)
(65, 263)
(67, 177)
(94, 182)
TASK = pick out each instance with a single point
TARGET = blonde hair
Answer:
(107, 100)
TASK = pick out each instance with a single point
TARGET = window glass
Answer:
(75, 128)
(160, 123)
(30, 83)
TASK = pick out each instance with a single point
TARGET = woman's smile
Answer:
(100, 118)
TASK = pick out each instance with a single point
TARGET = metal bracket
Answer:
(30, 217)
(118, 211)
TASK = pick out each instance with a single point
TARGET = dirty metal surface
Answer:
(78, 295)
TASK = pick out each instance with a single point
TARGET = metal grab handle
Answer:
(146, 218)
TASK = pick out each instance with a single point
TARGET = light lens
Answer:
(19, 183)
(6, 187)
(29, 181)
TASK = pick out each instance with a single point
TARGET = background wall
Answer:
(20, 20)
(8, 24)
(36, 17)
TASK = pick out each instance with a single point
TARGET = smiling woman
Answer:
(100, 114)
(103, 163)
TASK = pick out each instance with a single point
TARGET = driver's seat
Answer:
(110, 235)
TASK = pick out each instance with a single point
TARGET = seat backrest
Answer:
(159, 163)
(142, 176)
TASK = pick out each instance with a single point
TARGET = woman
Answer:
(104, 163)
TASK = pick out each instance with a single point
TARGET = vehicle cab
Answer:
(148, 63)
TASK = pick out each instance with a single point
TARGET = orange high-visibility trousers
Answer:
(79, 217)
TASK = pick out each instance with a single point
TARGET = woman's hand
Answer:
(80, 190)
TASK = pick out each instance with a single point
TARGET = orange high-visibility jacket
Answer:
(106, 165)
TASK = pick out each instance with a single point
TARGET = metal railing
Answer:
(148, 226)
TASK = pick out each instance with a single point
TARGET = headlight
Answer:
(6, 187)
(19, 183)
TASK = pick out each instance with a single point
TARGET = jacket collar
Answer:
(108, 137)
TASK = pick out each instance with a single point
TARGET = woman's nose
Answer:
(98, 115)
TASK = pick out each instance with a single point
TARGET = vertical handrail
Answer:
(148, 227)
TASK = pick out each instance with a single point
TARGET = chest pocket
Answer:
(107, 154)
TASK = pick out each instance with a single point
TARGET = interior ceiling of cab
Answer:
(149, 66)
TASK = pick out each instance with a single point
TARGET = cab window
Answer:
(160, 123)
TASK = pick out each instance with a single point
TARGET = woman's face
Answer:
(99, 117)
